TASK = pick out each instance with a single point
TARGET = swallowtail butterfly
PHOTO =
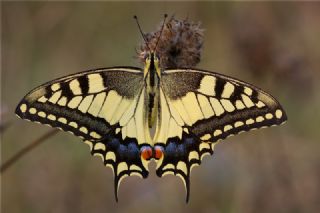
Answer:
(113, 110)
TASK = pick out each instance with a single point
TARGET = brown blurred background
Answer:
(275, 46)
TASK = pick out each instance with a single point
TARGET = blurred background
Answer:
(272, 45)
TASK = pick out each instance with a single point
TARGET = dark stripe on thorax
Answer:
(152, 72)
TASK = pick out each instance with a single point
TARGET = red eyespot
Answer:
(158, 152)
(146, 152)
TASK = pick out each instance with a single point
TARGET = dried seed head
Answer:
(180, 44)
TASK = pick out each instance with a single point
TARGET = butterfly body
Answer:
(114, 109)
(152, 75)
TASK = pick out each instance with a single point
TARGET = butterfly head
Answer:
(152, 60)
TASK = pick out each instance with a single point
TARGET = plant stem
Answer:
(26, 149)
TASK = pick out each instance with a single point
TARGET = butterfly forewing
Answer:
(203, 107)
(104, 107)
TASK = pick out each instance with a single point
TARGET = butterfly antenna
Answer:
(143, 35)
(164, 21)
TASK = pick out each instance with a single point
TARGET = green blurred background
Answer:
(275, 46)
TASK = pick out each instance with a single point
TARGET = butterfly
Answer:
(114, 109)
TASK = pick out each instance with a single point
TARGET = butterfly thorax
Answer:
(152, 75)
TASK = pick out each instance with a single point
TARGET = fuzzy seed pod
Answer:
(180, 44)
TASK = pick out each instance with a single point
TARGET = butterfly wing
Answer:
(104, 107)
(199, 108)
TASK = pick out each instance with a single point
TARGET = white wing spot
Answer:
(33, 110)
(217, 132)
(182, 166)
(95, 83)
(249, 121)
(55, 97)
(135, 167)
(75, 87)
(100, 146)
(52, 117)
(193, 155)
(227, 105)
(269, 116)
(111, 156)
(97, 104)
(168, 166)
(122, 167)
(23, 108)
(247, 101)
(167, 173)
(206, 137)
(74, 103)
(42, 114)
(260, 104)
(73, 124)
(135, 173)
(238, 124)
(227, 128)
(204, 145)
(95, 135)
(42, 99)
(217, 107)
(84, 130)
(62, 101)
(227, 90)
(240, 105)
(62, 120)
(260, 119)
(278, 113)
(55, 87)
(248, 91)
(85, 104)
(205, 106)
(207, 85)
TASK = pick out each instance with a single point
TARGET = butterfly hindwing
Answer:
(204, 107)
(104, 107)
